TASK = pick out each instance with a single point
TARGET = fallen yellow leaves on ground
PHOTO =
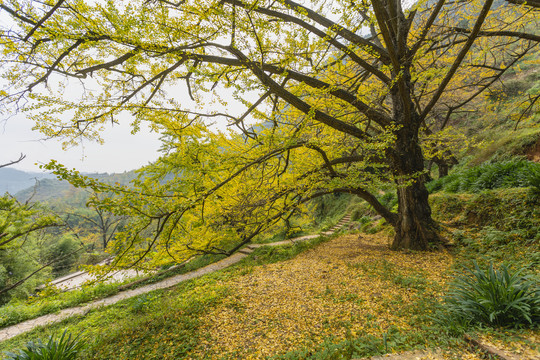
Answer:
(345, 287)
(525, 346)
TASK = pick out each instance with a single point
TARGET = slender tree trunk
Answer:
(445, 163)
(443, 169)
(104, 240)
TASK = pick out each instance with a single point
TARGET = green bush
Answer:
(505, 174)
(64, 348)
(389, 200)
(16, 264)
(63, 252)
(534, 181)
(492, 297)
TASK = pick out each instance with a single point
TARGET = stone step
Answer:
(246, 251)
(329, 232)
(304, 238)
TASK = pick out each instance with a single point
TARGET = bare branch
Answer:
(517, 34)
(341, 31)
(17, 15)
(296, 101)
(56, 63)
(533, 3)
(317, 32)
(21, 158)
(109, 64)
(434, 13)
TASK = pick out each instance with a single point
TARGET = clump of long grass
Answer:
(64, 348)
(493, 297)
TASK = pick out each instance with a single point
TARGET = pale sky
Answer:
(121, 152)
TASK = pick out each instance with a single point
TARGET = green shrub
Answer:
(505, 174)
(64, 348)
(63, 252)
(492, 297)
(534, 181)
(389, 199)
(356, 215)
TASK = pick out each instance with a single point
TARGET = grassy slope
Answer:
(349, 289)
(499, 226)
(351, 295)
(52, 300)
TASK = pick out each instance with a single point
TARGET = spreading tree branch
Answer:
(459, 59)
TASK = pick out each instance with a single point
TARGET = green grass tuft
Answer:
(64, 348)
(494, 297)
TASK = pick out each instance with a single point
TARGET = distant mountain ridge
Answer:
(13, 180)
(47, 188)
(52, 190)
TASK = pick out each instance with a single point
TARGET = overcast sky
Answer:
(121, 152)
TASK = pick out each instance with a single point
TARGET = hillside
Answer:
(335, 150)
(57, 192)
(13, 181)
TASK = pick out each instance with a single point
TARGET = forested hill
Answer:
(52, 190)
(12, 180)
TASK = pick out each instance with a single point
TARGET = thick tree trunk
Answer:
(415, 229)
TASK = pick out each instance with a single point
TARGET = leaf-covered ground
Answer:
(525, 344)
(350, 296)
(353, 286)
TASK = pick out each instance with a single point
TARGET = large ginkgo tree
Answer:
(338, 96)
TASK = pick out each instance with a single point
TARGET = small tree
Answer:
(101, 222)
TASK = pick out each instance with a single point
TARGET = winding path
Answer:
(20, 328)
